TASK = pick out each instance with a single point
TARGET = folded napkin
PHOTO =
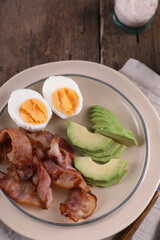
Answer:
(149, 82)
(150, 226)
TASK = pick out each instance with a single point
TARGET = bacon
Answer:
(21, 192)
(42, 180)
(41, 139)
(35, 191)
(19, 152)
(62, 157)
(37, 159)
(80, 204)
(40, 154)
(63, 144)
(5, 148)
(65, 178)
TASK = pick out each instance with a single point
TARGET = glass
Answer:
(134, 16)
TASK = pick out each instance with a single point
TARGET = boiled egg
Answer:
(63, 96)
(29, 110)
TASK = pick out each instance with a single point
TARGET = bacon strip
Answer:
(62, 157)
(80, 204)
(30, 172)
(42, 180)
(34, 191)
(19, 152)
(65, 178)
(41, 139)
(21, 192)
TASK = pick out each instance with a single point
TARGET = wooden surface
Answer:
(117, 47)
(33, 32)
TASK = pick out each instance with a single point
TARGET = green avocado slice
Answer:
(81, 137)
(107, 124)
(120, 137)
(109, 151)
(115, 155)
(109, 183)
(99, 172)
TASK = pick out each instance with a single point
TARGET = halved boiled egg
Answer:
(63, 96)
(29, 109)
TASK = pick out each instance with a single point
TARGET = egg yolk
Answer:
(65, 100)
(33, 111)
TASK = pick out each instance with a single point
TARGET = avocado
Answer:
(109, 151)
(81, 137)
(109, 183)
(99, 172)
(120, 137)
(107, 124)
(116, 154)
(100, 109)
(98, 119)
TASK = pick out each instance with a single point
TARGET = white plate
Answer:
(119, 205)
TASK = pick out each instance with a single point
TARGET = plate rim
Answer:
(105, 68)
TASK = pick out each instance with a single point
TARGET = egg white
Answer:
(18, 97)
(54, 83)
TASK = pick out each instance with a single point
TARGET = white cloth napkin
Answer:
(149, 82)
(150, 227)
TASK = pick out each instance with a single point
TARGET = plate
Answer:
(119, 205)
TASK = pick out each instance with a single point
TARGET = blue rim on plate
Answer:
(132, 192)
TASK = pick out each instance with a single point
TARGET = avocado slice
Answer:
(109, 183)
(120, 137)
(109, 151)
(81, 137)
(115, 155)
(99, 172)
(99, 120)
(109, 126)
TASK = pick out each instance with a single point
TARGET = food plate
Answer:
(119, 205)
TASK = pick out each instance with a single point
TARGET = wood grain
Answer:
(117, 46)
(33, 32)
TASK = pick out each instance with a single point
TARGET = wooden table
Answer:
(34, 32)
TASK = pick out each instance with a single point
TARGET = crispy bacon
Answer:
(35, 160)
(62, 157)
(65, 178)
(63, 144)
(34, 191)
(41, 139)
(5, 148)
(40, 154)
(80, 204)
(19, 152)
(21, 192)
(42, 180)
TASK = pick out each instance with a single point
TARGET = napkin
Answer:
(150, 227)
(149, 83)
(147, 80)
